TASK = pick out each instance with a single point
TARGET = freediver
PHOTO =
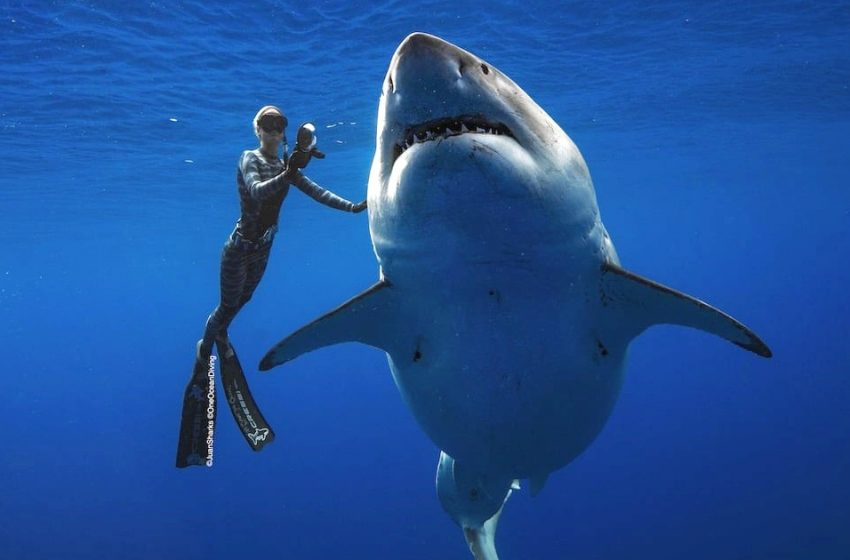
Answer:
(263, 181)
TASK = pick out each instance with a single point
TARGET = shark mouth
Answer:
(448, 127)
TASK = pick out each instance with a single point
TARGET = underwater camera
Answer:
(305, 147)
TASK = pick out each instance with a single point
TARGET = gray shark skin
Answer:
(501, 304)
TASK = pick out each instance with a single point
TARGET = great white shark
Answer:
(501, 304)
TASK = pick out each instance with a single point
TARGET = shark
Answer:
(501, 302)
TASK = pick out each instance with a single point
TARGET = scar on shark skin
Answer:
(417, 354)
(602, 350)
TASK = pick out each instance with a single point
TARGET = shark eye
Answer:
(484, 68)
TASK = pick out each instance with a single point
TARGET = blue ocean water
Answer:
(717, 138)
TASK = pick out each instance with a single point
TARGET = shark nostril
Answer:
(484, 68)
(390, 86)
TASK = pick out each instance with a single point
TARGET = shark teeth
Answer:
(446, 128)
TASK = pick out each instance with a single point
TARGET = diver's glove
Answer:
(359, 207)
(305, 148)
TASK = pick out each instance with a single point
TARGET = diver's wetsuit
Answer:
(262, 189)
(263, 186)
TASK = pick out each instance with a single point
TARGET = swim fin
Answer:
(245, 411)
(197, 423)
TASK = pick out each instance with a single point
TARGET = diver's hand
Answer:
(359, 207)
(290, 172)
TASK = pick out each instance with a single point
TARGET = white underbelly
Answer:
(506, 370)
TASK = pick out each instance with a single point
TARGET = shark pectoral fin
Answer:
(359, 319)
(650, 303)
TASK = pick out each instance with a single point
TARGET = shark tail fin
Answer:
(649, 303)
(359, 319)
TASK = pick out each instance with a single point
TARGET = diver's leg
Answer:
(197, 424)
(249, 418)
(255, 267)
(239, 279)
(474, 500)
(233, 279)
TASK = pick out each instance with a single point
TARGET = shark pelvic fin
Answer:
(359, 319)
(650, 303)
(537, 483)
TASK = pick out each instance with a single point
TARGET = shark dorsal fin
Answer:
(361, 319)
(648, 303)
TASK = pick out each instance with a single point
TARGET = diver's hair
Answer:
(260, 113)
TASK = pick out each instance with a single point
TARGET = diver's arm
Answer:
(259, 190)
(324, 196)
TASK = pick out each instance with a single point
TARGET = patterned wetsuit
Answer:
(262, 189)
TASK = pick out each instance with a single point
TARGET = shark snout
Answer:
(430, 80)
(427, 47)
(423, 61)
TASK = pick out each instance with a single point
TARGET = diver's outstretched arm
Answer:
(324, 196)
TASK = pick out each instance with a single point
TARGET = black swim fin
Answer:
(245, 411)
(197, 423)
